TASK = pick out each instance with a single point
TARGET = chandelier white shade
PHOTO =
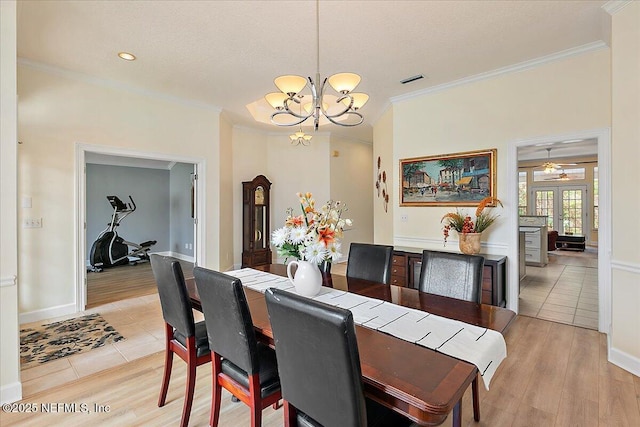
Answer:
(340, 108)
(300, 138)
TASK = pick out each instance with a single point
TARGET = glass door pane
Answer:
(573, 213)
(544, 205)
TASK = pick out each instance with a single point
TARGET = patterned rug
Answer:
(61, 339)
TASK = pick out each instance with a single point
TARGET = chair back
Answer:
(318, 359)
(174, 298)
(228, 320)
(452, 275)
(370, 262)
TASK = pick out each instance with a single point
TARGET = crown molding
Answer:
(614, 6)
(112, 84)
(522, 66)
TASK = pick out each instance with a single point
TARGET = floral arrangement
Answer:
(313, 235)
(462, 223)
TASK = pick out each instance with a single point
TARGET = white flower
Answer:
(298, 235)
(348, 222)
(334, 251)
(279, 236)
(315, 253)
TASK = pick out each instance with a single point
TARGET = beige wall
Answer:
(226, 192)
(10, 387)
(57, 110)
(249, 160)
(383, 149)
(563, 96)
(351, 171)
(625, 61)
(292, 169)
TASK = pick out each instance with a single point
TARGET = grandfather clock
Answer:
(255, 222)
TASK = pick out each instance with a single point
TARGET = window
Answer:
(595, 198)
(560, 175)
(522, 193)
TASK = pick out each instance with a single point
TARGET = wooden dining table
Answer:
(420, 383)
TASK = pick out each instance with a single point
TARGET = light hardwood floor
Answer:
(555, 374)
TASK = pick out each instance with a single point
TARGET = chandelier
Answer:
(300, 138)
(317, 104)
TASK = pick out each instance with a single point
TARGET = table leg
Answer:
(457, 414)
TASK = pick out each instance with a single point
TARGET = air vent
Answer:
(412, 79)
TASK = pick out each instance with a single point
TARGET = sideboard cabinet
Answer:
(407, 263)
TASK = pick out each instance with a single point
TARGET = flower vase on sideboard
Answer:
(469, 243)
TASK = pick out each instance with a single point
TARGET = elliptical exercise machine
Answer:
(109, 249)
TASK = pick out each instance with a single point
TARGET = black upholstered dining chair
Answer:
(319, 365)
(370, 262)
(241, 364)
(457, 276)
(183, 336)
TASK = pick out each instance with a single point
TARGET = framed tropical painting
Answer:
(460, 179)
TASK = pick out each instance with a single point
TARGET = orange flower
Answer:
(295, 221)
(486, 201)
(326, 235)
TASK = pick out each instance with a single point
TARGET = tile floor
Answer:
(565, 291)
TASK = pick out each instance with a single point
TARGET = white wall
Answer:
(625, 61)
(57, 110)
(10, 387)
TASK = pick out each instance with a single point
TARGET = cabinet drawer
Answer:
(399, 281)
(532, 240)
(532, 255)
(399, 260)
(398, 270)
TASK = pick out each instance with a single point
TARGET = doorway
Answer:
(571, 220)
(193, 205)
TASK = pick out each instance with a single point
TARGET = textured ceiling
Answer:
(225, 54)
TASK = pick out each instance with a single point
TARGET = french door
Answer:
(565, 208)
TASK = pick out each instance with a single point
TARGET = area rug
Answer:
(61, 339)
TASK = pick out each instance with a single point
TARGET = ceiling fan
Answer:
(550, 166)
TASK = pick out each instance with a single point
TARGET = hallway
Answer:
(565, 291)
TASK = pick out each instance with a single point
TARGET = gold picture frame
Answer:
(459, 179)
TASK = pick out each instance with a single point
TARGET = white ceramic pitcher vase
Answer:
(307, 280)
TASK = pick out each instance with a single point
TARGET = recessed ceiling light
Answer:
(127, 56)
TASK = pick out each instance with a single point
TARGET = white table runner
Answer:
(483, 347)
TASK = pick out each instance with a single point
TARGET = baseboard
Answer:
(177, 255)
(625, 361)
(47, 313)
(11, 393)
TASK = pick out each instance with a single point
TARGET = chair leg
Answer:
(216, 391)
(256, 400)
(168, 363)
(290, 416)
(476, 399)
(191, 381)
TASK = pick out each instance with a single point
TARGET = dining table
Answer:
(422, 384)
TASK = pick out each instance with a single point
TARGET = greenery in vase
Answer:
(314, 234)
(462, 223)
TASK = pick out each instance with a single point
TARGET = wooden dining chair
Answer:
(457, 276)
(241, 364)
(370, 262)
(183, 336)
(319, 365)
